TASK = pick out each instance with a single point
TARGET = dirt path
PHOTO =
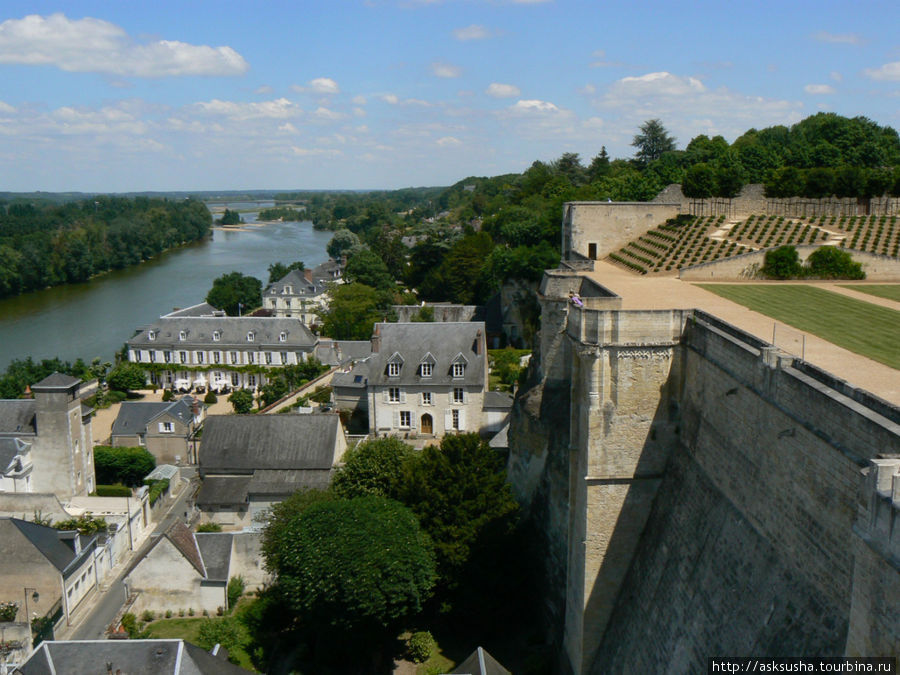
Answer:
(641, 292)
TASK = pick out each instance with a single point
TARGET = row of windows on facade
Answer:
(217, 336)
(235, 378)
(397, 395)
(405, 420)
(217, 357)
(426, 369)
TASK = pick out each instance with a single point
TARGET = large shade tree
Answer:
(652, 141)
(236, 293)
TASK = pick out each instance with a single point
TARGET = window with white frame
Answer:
(151, 335)
(405, 419)
(283, 357)
(251, 336)
(394, 369)
(152, 356)
(455, 419)
(426, 369)
(235, 379)
(459, 395)
(166, 427)
(183, 357)
(199, 357)
(217, 357)
(234, 357)
(167, 356)
(217, 336)
(250, 357)
(268, 358)
(394, 395)
(459, 369)
(251, 380)
(182, 335)
(427, 398)
(282, 336)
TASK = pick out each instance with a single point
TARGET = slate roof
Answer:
(223, 491)
(330, 270)
(9, 448)
(498, 399)
(480, 663)
(300, 286)
(47, 540)
(271, 483)
(25, 504)
(215, 547)
(183, 539)
(232, 329)
(56, 381)
(201, 309)
(134, 416)
(336, 352)
(357, 378)
(247, 442)
(134, 657)
(17, 416)
(443, 341)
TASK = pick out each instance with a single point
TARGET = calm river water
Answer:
(95, 318)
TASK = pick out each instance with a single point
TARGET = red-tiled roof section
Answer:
(184, 541)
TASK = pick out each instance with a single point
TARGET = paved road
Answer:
(93, 624)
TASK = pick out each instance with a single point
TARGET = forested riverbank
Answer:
(44, 244)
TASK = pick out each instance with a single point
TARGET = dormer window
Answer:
(182, 335)
(459, 369)
(151, 335)
(426, 369)
(394, 365)
(288, 290)
(251, 336)
(217, 335)
(282, 336)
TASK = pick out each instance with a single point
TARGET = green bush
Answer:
(209, 527)
(210, 398)
(168, 395)
(829, 262)
(225, 632)
(235, 590)
(147, 616)
(157, 489)
(113, 491)
(420, 646)
(782, 263)
(122, 465)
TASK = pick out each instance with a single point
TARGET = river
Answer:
(94, 318)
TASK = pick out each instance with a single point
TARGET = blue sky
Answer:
(196, 95)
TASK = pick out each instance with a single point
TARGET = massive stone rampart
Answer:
(703, 498)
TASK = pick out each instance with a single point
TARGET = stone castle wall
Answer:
(703, 499)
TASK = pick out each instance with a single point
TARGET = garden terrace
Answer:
(693, 240)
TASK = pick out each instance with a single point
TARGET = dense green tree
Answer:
(828, 262)
(819, 183)
(235, 293)
(457, 490)
(367, 267)
(278, 270)
(599, 165)
(782, 263)
(128, 466)
(458, 277)
(372, 468)
(342, 242)
(230, 217)
(651, 142)
(241, 401)
(127, 376)
(226, 631)
(353, 310)
(353, 564)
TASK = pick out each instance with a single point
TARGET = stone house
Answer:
(164, 428)
(52, 570)
(249, 462)
(46, 443)
(219, 352)
(297, 294)
(422, 380)
(190, 570)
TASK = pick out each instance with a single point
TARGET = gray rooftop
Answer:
(25, 504)
(498, 399)
(134, 657)
(247, 442)
(201, 309)
(330, 270)
(356, 378)
(298, 285)
(17, 416)
(232, 331)
(10, 447)
(223, 491)
(56, 381)
(47, 540)
(163, 472)
(266, 482)
(215, 548)
(336, 352)
(440, 343)
(134, 416)
(480, 663)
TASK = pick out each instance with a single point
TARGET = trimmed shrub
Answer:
(210, 398)
(113, 491)
(122, 465)
(168, 395)
(209, 527)
(420, 646)
(782, 263)
(829, 262)
(235, 590)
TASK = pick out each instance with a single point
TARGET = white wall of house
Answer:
(247, 560)
(401, 410)
(80, 582)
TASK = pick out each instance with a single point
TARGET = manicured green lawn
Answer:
(887, 291)
(857, 326)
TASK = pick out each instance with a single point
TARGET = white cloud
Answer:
(6, 108)
(324, 85)
(262, 90)
(448, 141)
(473, 32)
(498, 90)
(314, 152)
(588, 90)
(838, 38)
(393, 99)
(277, 109)
(445, 70)
(288, 128)
(359, 112)
(836, 76)
(817, 89)
(889, 72)
(656, 84)
(534, 105)
(358, 100)
(94, 45)
(324, 114)
(390, 98)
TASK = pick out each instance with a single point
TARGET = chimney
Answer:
(307, 274)
(376, 339)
